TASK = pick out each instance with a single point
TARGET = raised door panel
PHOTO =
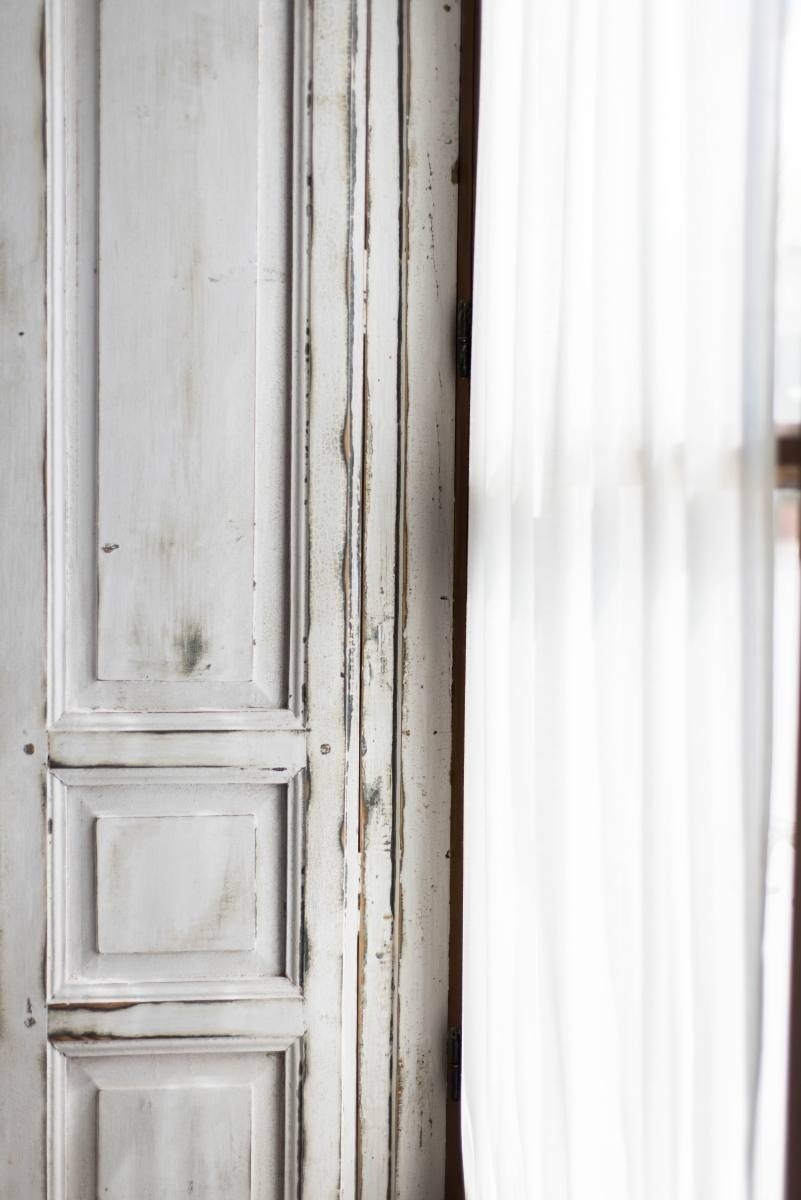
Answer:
(177, 389)
(175, 884)
(169, 1118)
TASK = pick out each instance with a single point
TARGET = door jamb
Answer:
(468, 141)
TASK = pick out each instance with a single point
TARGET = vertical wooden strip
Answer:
(468, 136)
(383, 415)
(793, 1160)
(22, 591)
(335, 456)
(432, 91)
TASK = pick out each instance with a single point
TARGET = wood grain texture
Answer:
(23, 747)
(335, 458)
(378, 945)
(406, 667)
(425, 746)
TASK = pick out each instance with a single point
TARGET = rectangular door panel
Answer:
(178, 428)
(176, 335)
(174, 884)
(167, 1119)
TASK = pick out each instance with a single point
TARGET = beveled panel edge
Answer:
(64, 709)
(63, 1047)
(72, 995)
(63, 988)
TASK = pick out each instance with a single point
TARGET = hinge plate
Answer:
(455, 1063)
(464, 338)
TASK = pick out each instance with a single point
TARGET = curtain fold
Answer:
(616, 771)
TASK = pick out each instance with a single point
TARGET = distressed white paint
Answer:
(425, 745)
(164, 1140)
(165, 1018)
(177, 349)
(22, 574)
(203, 730)
(283, 753)
(172, 1118)
(174, 884)
(293, 492)
(175, 311)
(408, 490)
(383, 432)
(335, 455)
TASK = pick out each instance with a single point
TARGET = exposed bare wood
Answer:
(247, 1018)
(381, 481)
(335, 457)
(431, 91)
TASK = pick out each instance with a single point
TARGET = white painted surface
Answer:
(174, 884)
(169, 1141)
(177, 353)
(408, 567)
(335, 456)
(151, 487)
(22, 603)
(425, 746)
(175, 309)
(383, 431)
(135, 1119)
(203, 562)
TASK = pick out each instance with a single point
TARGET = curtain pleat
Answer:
(616, 778)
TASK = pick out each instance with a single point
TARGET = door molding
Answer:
(410, 299)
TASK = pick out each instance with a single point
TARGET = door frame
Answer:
(410, 150)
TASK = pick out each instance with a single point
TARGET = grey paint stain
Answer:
(191, 645)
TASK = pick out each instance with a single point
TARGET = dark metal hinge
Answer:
(464, 337)
(455, 1063)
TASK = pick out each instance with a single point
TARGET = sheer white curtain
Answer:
(618, 598)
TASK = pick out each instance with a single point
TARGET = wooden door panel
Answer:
(135, 1119)
(178, 349)
(181, 756)
(175, 884)
(176, 328)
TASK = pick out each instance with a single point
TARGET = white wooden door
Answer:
(179, 474)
